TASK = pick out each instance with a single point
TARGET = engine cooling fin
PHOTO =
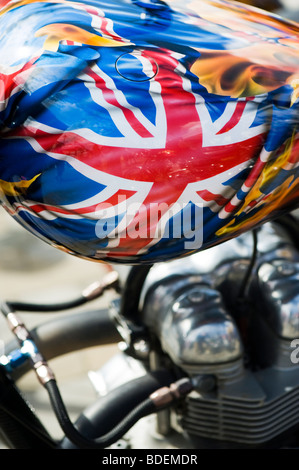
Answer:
(241, 421)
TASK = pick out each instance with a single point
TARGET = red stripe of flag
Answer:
(111, 99)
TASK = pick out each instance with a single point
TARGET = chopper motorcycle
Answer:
(160, 138)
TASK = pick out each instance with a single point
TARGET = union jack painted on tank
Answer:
(140, 131)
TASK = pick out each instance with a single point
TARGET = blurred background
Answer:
(32, 271)
(288, 9)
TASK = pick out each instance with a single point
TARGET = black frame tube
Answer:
(20, 428)
(69, 333)
(100, 418)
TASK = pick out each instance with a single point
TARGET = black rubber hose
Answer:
(132, 290)
(143, 409)
(103, 415)
(69, 333)
(245, 281)
(33, 307)
(93, 291)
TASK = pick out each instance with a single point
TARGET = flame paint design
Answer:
(230, 72)
(16, 188)
(238, 17)
(7, 5)
(282, 195)
(295, 94)
(57, 32)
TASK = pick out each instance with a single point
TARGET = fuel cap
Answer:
(136, 66)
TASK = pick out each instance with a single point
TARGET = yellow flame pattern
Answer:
(230, 72)
(57, 32)
(282, 195)
(16, 188)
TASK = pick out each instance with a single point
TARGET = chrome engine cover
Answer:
(194, 310)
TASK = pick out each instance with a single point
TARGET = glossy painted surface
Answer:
(121, 119)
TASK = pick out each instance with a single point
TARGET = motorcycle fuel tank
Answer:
(142, 131)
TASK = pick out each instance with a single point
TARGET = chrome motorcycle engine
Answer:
(233, 327)
(241, 348)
